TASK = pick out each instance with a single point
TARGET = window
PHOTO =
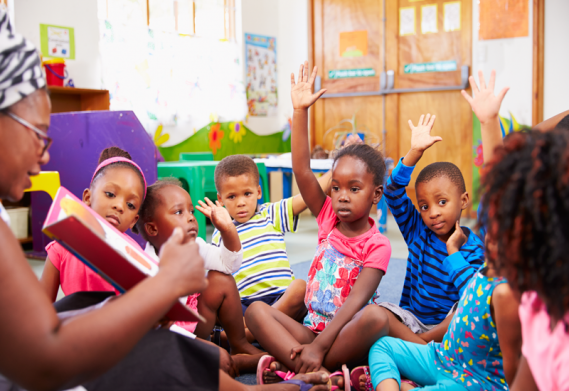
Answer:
(203, 18)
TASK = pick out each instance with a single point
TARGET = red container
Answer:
(55, 74)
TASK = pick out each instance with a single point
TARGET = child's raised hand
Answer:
(421, 138)
(456, 240)
(485, 104)
(218, 215)
(301, 92)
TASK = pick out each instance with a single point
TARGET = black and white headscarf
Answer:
(20, 65)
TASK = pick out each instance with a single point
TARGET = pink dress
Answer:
(74, 275)
(337, 265)
(546, 351)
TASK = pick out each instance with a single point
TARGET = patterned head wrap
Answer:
(20, 65)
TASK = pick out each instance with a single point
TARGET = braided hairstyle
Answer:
(372, 158)
(526, 196)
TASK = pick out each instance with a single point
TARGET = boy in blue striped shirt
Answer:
(443, 256)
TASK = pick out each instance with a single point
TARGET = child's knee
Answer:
(255, 312)
(374, 317)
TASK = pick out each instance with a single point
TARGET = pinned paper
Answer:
(407, 21)
(57, 41)
(452, 16)
(503, 19)
(353, 43)
(429, 19)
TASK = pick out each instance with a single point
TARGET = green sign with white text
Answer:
(440, 66)
(347, 73)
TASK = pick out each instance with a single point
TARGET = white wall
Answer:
(512, 60)
(556, 61)
(85, 70)
(287, 20)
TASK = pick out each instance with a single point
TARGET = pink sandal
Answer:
(355, 378)
(265, 364)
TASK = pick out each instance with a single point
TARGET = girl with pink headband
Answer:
(116, 193)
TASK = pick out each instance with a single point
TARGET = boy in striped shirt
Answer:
(265, 272)
(443, 256)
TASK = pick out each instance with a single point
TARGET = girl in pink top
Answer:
(117, 190)
(351, 259)
(526, 195)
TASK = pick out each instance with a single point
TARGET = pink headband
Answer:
(115, 160)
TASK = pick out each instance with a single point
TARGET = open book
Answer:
(113, 255)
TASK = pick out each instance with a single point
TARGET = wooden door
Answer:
(447, 48)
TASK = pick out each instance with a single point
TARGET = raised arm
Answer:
(302, 99)
(41, 352)
(407, 217)
(486, 106)
(298, 204)
(551, 123)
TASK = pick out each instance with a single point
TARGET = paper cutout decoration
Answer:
(503, 19)
(429, 19)
(353, 43)
(452, 16)
(407, 21)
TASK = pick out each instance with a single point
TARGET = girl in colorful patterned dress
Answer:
(351, 259)
(480, 350)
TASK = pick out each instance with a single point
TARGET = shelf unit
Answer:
(66, 99)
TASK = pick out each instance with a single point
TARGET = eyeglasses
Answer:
(43, 137)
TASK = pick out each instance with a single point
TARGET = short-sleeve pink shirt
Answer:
(74, 275)
(546, 351)
(371, 247)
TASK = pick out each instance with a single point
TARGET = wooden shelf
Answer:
(29, 239)
(66, 99)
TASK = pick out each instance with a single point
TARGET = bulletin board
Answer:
(503, 19)
(261, 75)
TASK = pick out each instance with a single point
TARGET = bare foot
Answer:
(363, 382)
(247, 363)
(270, 377)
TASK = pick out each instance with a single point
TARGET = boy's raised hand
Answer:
(421, 139)
(485, 104)
(218, 215)
(301, 91)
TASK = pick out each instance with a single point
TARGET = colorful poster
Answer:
(452, 16)
(503, 19)
(407, 21)
(429, 19)
(261, 75)
(353, 43)
(57, 41)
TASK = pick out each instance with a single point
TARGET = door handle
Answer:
(387, 81)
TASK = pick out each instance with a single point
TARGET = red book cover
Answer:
(113, 255)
